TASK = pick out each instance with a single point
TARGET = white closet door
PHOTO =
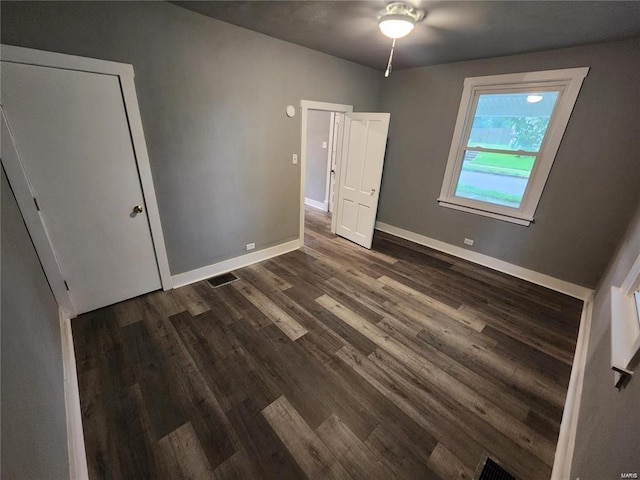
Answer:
(72, 136)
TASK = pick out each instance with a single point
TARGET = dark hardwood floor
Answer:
(329, 362)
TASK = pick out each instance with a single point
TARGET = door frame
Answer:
(20, 184)
(337, 118)
(305, 106)
(332, 124)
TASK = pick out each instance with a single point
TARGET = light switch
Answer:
(295, 158)
(324, 144)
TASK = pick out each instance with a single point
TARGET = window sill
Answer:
(625, 334)
(520, 220)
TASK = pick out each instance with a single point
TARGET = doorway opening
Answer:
(322, 126)
(323, 133)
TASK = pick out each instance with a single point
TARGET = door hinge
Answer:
(35, 200)
(66, 285)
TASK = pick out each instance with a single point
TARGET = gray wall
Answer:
(212, 98)
(608, 437)
(318, 126)
(592, 189)
(34, 432)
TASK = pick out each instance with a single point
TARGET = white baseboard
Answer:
(233, 263)
(569, 425)
(324, 206)
(562, 286)
(75, 436)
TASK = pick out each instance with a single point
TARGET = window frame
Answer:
(567, 82)
(625, 326)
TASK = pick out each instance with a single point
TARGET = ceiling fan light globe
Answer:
(396, 26)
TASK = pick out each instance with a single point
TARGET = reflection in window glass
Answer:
(512, 121)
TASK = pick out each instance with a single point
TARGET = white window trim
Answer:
(568, 81)
(625, 327)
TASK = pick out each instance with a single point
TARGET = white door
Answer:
(72, 136)
(364, 144)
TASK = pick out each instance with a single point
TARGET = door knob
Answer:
(138, 209)
(373, 191)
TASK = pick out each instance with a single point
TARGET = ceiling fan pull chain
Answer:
(388, 71)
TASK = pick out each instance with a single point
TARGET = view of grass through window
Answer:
(505, 137)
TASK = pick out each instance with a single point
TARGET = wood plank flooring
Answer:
(330, 362)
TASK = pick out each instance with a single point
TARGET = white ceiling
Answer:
(452, 30)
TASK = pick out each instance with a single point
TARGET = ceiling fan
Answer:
(396, 21)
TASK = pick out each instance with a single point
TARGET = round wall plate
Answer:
(291, 111)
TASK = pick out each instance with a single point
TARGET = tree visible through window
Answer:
(504, 140)
(507, 134)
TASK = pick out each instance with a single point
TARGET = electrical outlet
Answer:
(295, 158)
(468, 241)
(251, 246)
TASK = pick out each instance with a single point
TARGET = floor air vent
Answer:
(493, 471)
(221, 280)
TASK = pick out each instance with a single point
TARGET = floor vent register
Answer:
(493, 471)
(221, 280)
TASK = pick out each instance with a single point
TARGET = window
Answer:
(625, 325)
(506, 137)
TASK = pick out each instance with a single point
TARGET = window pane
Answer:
(637, 295)
(512, 121)
(494, 177)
